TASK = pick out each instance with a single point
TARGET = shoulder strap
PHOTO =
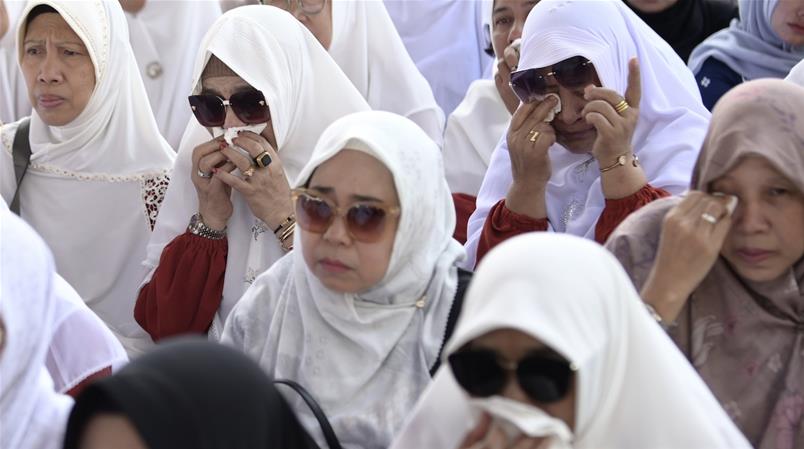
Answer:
(326, 428)
(464, 277)
(21, 150)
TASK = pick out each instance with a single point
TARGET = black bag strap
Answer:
(22, 158)
(464, 278)
(326, 428)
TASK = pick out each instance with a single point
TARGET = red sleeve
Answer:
(616, 210)
(464, 207)
(76, 390)
(186, 288)
(502, 224)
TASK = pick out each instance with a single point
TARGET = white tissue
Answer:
(230, 133)
(552, 114)
(732, 201)
(516, 418)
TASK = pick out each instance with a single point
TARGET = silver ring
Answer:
(708, 218)
(203, 175)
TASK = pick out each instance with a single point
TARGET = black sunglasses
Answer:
(542, 375)
(249, 106)
(573, 73)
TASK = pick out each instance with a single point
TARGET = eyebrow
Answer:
(501, 9)
(354, 197)
(56, 42)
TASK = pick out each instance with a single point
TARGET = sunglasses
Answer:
(573, 73)
(308, 7)
(543, 376)
(364, 222)
(249, 106)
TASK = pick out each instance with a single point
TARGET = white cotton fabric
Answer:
(797, 74)
(167, 34)
(365, 357)
(634, 389)
(368, 49)
(32, 414)
(672, 118)
(14, 102)
(428, 29)
(305, 91)
(93, 186)
(81, 345)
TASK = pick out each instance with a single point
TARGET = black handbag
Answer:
(323, 422)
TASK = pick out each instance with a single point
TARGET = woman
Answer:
(185, 394)
(98, 167)
(358, 313)
(766, 42)
(619, 141)
(243, 220)
(685, 23)
(591, 368)
(477, 124)
(166, 63)
(361, 38)
(731, 285)
(31, 412)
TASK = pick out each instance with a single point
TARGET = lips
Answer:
(50, 101)
(796, 27)
(577, 135)
(753, 256)
(333, 266)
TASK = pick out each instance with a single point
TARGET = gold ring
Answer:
(622, 106)
(534, 135)
(709, 218)
(249, 173)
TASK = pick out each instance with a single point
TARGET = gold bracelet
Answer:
(621, 161)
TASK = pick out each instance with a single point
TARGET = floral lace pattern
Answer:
(153, 192)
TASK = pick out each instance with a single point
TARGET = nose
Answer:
(50, 71)
(516, 31)
(513, 391)
(232, 120)
(337, 232)
(572, 103)
(750, 217)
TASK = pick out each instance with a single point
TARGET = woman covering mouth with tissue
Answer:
(264, 111)
(626, 134)
(541, 361)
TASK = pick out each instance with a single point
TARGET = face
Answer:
(507, 20)
(652, 6)
(513, 345)
(787, 21)
(767, 233)
(339, 261)
(225, 87)
(57, 69)
(320, 24)
(111, 430)
(572, 130)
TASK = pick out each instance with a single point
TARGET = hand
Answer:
(214, 197)
(688, 248)
(488, 436)
(267, 191)
(614, 130)
(502, 78)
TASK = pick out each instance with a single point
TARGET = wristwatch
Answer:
(199, 228)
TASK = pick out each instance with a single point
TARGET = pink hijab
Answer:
(746, 339)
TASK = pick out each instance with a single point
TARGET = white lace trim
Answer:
(136, 177)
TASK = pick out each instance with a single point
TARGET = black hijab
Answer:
(193, 394)
(688, 22)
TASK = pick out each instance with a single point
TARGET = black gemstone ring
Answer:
(263, 159)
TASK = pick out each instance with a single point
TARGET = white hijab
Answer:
(634, 389)
(428, 29)
(368, 49)
(474, 129)
(672, 118)
(32, 414)
(365, 357)
(94, 185)
(305, 91)
(14, 102)
(165, 62)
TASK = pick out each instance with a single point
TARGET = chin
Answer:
(577, 147)
(759, 274)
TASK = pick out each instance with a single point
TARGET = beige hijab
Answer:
(746, 339)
